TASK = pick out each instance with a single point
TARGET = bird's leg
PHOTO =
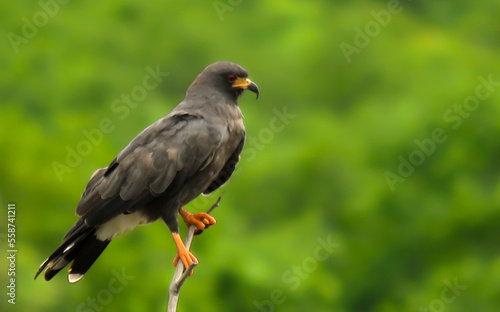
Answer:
(183, 253)
(187, 257)
(201, 220)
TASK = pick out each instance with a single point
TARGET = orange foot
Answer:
(183, 253)
(201, 220)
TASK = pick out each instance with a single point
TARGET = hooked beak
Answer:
(247, 84)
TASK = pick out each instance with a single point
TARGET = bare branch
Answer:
(180, 276)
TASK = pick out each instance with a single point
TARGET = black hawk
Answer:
(191, 151)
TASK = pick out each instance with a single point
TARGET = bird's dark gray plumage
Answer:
(192, 150)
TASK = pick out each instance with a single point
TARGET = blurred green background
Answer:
(369, 181)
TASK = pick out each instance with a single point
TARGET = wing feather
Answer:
(157, 161)
(227, 171)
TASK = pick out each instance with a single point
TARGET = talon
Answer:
(201, 220)
(186, 256)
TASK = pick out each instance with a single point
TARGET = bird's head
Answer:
(226, 77)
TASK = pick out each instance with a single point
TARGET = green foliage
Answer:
(351, 203)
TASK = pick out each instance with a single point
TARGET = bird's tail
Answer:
(79, 245)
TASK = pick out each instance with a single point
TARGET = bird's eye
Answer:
(231, 78)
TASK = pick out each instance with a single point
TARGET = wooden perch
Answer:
(180, 276)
